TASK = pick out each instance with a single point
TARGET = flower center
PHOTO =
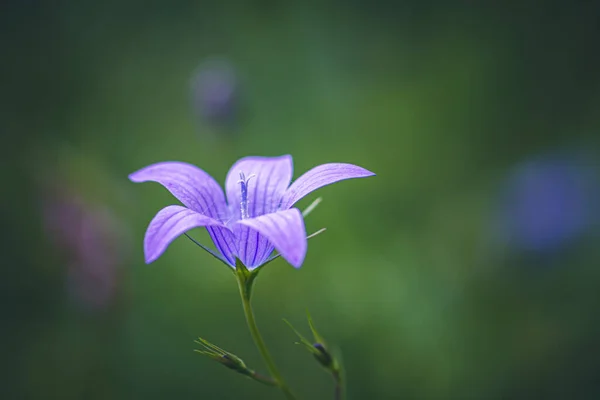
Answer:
(244, 197)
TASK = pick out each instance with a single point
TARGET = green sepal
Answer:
(325, 357)
(224, 357)
(246, 276)
(303, 341)
(318, 338)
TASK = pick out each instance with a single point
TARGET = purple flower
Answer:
(90, 238)
(215, 92)
(255, 215)
(547, 204)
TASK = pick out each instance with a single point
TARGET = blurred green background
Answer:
(467, 269)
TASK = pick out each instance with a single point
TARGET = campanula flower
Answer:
(547, 204)
(253, 217)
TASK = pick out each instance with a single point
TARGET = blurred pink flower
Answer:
(91, 240)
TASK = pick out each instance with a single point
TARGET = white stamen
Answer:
(244, 194)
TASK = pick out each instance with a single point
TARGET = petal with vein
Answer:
(168, 224)
(318, 177)
(268, 178)
(192, 186)
(285, 230)
(272, 176)
(198, 191)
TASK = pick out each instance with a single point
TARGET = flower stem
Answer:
(258, 340)
(262, 379)
(339, 386)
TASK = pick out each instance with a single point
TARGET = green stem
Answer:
(258, 340)
(339, 387)
(262, 379)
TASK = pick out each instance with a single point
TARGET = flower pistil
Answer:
(244, 197)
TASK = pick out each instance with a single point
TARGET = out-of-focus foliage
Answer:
(436, 278)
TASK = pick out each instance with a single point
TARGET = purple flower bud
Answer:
(322, 355)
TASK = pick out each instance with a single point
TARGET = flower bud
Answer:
(223, 357)
(231, 361)
(323, 356)
(234, 363)
(319, 349)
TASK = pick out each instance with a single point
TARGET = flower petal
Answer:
(318, 177)
(169, 223)
(224, 240)
(272, 176)
(198, 191)
(285, 229)
(192, 186)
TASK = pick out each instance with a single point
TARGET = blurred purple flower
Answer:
(547, 204)
(89, 238)
(257, 215)
(215, 92)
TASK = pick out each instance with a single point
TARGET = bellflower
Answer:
(547, 204)
(253, 217)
